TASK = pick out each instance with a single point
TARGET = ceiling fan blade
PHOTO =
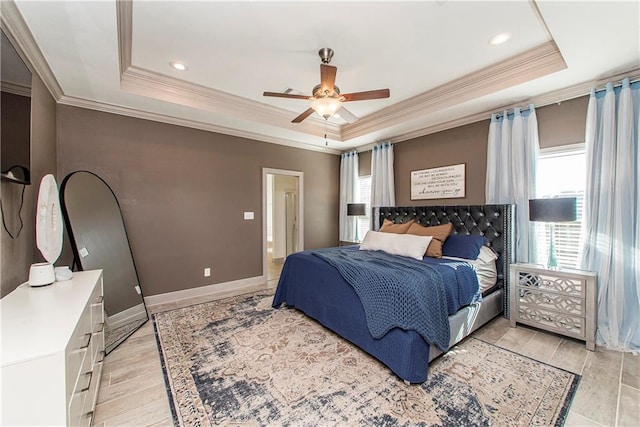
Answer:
(327, 77)
(303, 116)
(286, 95)
(361, 96)
(347, 115)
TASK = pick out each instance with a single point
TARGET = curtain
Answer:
(512, 157)
(349, 193)
(383, 191)
(612, 228)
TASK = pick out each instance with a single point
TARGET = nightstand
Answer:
(561, 301)
(347, 243)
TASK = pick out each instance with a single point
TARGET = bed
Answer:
(312, 285)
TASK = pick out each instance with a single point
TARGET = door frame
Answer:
(300, 176)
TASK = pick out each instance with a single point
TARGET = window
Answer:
(561, 173)
(364, 222)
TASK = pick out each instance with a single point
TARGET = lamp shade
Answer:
(356, 209)
(558, 209)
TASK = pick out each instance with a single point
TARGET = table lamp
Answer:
(558, 209)
(356, 209)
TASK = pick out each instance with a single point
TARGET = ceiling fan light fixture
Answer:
(326, 107)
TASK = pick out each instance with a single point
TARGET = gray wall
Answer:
(17, 255)
(183, 193)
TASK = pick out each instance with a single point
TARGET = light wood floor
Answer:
(132, 392)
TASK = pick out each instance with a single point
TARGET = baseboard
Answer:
(209, 292)
(126, 316)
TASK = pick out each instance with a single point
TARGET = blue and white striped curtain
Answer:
(383, 192)
(612, 214)
(349, 193)
(512, 158)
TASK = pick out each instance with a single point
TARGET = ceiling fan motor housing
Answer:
(326, 54)
(317, 92)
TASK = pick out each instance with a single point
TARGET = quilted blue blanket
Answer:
(395, 292)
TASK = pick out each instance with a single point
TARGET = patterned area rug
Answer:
(240, 362)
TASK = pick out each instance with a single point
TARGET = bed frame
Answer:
(313, 286)
(495, 222)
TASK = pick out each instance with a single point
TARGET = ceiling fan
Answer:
(326, 98)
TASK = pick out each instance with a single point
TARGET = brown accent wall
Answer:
(563, 123)
(15, 130)
(465, 144)
(17, 255)
(183, 193)
(558, 124)
(364, 163)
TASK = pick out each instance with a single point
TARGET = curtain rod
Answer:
(499, 115)
(617, 85)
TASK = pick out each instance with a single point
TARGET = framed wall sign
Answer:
(447, 182)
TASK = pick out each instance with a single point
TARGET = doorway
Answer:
(283, 229)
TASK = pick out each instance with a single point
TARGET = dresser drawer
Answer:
(84, 378)
(559, 303)
(547, 282)
(78, 349)
(92, 395)
(556, 322)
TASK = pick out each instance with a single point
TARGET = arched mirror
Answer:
(99, 241)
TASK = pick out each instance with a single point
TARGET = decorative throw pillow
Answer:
(391, 227)
(439, 234)
(464, 246)
(396, 244)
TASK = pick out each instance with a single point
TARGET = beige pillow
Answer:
(390, 227)
(439, 234)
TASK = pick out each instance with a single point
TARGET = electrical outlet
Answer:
(207, 272)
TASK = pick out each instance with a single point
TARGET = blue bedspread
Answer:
(315, 287)
(395, 291)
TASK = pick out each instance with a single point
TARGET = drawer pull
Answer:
(88, 341)
(103, 354)
(101, 326)
(99, 300)
(90, 374)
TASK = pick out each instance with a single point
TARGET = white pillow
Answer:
(407, 245)
(484, 266)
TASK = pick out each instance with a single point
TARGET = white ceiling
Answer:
(434, 57)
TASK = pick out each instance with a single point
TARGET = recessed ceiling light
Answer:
(178, 66)
(499, 39)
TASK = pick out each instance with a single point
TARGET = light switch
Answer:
(83, 252)
(248, 215)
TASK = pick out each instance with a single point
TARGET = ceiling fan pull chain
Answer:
(326, 143)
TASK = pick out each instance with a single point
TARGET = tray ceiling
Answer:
(434, 56)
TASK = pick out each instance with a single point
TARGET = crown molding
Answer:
(553, 97)
(19, 34)
(124, 17)
(531, 64)
(161, 118)
(20, 90)
(154, 85)
(147, 83)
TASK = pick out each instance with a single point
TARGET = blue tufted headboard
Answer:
(495, 222)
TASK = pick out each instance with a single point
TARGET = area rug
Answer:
(240, 362)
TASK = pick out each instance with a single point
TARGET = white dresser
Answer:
(52, 351)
